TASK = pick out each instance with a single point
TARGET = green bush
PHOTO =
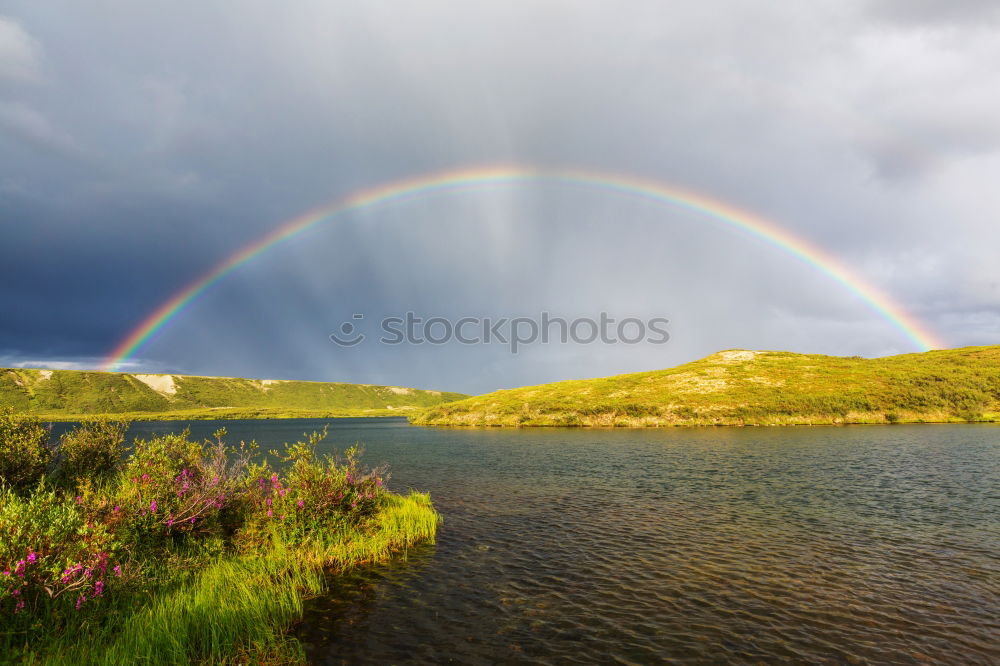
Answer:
(317, 495)
(93, 450)
(970, 414)
(24, 450)
(54, 555)
(172, 488)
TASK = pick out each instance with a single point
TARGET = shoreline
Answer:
(181, 417)
(217, 415)
(527, 426)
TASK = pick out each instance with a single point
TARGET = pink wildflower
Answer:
(301, 504)
(269, 513)
(152, 506)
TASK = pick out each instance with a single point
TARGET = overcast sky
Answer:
(141, 146)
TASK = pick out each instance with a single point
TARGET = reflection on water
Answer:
(820, 545)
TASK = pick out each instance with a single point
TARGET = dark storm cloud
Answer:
(140, 146)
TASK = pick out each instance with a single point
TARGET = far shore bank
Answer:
(991, 420)
(221, 414)
(239, 415)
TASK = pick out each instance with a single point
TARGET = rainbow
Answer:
(419, 186)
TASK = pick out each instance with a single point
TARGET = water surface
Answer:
(830, 545)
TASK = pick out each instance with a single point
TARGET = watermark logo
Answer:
(348, 335)
(515, 332)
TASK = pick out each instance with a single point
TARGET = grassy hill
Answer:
(740, 387)
(67, 394)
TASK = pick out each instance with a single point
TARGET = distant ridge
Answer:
(66, 394)
(743, 387)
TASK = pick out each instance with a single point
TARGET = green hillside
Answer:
(65, 394)
(740, 387)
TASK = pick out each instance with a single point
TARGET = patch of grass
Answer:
(740, 387)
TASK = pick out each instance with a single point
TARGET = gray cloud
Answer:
(31, 126)
(20, 54)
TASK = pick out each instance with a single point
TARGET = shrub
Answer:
(52, 552)
(971, 414)
(316, 495)
(172, 487)
(93, 450)
(24, 450)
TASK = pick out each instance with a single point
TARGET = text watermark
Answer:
(514, 332)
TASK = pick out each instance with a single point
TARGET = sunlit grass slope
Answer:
(740, 387)
(70, 394)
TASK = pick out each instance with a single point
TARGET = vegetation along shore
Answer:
(176, 551)
(742, 387)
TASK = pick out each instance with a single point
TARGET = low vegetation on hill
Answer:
(173, 551)
(72, 394)
(740, 387)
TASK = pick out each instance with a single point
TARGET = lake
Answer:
(829, 545)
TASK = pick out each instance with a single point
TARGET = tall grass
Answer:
(240, 609)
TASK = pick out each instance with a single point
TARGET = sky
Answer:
(141, 145)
